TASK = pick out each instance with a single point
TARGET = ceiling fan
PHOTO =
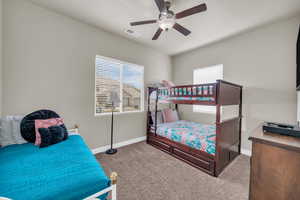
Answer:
(167, 19)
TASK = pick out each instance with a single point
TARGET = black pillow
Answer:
(58, 133)
(51, 135)
(28, 125)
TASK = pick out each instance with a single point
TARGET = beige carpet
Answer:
(146, 173)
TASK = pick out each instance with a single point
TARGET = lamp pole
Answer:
(111, 150)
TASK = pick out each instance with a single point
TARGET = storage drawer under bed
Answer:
(160, 145)
(196, 160)
(208, 165)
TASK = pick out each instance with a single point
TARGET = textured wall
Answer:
(263, 61)
(49, 63)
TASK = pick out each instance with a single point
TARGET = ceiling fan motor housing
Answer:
(168, 4)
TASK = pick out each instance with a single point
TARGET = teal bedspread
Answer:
(67, 170)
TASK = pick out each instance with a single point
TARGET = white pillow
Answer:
(16, 130)
(10, 131)
(5, 132)
(170, 115)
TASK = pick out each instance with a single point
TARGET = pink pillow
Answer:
(45, 123)
(167, 83)
(170, 115)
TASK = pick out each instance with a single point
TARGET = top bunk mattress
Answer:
(66, 170)
(194, 94)
(195, 135)
(167, 99)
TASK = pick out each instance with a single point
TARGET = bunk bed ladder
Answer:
(148, 111)
(241, 117)
(156, 102)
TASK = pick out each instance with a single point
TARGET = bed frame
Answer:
(112, 189)
(113, 178)
(228, 132)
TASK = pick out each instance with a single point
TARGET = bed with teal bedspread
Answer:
(66, 170)
(195, 135)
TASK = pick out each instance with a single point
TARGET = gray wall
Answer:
(49, 63)
(1, 60)
(263, 61)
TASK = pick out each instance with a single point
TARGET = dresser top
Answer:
(287, 142)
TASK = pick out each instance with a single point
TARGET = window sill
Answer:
(118, 113)
(205, 112)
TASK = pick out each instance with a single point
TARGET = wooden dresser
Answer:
(275, 167)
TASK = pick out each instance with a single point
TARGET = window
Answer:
(207, 75)
(124, 80)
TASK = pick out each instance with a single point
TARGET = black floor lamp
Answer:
(114, 99)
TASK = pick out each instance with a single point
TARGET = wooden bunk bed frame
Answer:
(228, 132)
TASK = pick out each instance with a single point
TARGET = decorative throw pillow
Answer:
(58, 133)
(46, 123)
(51, 135)
(170, 115)
(46, 137)
(28, 130)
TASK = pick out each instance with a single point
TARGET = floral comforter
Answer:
(192, 134)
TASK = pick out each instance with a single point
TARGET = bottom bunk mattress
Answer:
(195, 135)
(66, 170)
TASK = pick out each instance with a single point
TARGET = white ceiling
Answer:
(223, 18)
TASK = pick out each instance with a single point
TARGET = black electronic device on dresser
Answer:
(282, 129)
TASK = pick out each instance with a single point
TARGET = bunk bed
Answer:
(209, 148)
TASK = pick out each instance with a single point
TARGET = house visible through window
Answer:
(121, 78)
(207, 75)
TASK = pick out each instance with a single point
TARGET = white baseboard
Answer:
(246, 152)
(140, 139)
(118, 145)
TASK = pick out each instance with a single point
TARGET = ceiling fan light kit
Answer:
(168, 19)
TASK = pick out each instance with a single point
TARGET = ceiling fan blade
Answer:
(160, 4)
(191, 11)
(143, 22)
(181, 29)
(157, 34)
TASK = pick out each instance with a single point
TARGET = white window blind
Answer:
(124, 79)
(207, 75)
